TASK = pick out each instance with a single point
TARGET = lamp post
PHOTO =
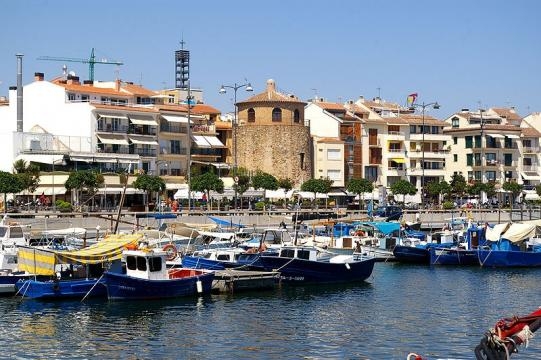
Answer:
(223, 90)
(423, 106)
(189, 101)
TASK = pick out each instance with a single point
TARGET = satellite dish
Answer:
(72, 73)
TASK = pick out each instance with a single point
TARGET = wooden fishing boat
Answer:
(147, 277)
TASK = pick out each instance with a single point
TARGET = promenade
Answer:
(105, 221)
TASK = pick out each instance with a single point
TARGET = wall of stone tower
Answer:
(276, 149)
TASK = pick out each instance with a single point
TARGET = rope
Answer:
(283, 266)
(483, 262)
(92, 288)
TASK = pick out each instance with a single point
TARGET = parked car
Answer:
(389, 211)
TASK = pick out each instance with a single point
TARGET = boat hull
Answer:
(244, 262)
(442, 256)
(63, 289)
(295, 270)
(378, 253)
(498, 258)
(124, 287)
(411, 254)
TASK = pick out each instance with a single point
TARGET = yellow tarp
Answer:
(43, 261)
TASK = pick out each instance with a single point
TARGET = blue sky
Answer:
(461, 53)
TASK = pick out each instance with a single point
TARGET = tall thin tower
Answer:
(182, 67)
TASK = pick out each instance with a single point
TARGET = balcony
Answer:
(395, 135)
(374, 143)
(113, 129)
(530, 150)
(529, 168)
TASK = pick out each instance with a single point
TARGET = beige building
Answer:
(272, 135)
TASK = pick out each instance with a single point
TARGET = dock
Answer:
(230, 280)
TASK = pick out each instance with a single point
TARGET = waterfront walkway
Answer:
(105, 221)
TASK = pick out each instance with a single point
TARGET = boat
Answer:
(12, 235)
(512, 245)
(464, 253)
(72, 274)
(147, 277)
(310, 264)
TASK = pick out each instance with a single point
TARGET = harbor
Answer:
(440, 313)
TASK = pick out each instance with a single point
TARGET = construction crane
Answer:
(91, 62)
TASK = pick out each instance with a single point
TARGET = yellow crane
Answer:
(91, 62)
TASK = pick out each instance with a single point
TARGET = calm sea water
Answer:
(436, 312)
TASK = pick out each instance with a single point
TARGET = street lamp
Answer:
(423, 106)
(235, 87)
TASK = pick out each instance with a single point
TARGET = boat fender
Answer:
(171, 251)
(199, 286)
(351, 232)
(414, 356)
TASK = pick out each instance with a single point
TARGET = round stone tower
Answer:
(273, 137)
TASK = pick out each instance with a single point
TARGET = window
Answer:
(251, 115)
(477, 141)
(131, 263)
(333, 154)
(469, 159)
(491, 159)
(469, 142)
(508, 159)
(296, 116)
(335, 175)
(477, 175)
(141, 263)
(454, 122)
(171, 99)
(276, 114)
(174, 146)
(455, 140)
(155, 264)
(71, 97)
(413, 129)
(491, 175)
(455, 158)
(371, 173)
(85, 98)
(435, 130)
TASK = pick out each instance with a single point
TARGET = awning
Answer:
(177, 119)
(201, 141)
(173, 186)
(41, 158)
(113, 139)
(531, 176)
(143, 120)
(182, 193)
(310, 195)
(142, 140)
(530, 195)
(46, 190)
(118, 190)
(42, 261)
(513, 136)
(214, 142)
(278, 194)
(399, 160)
(112, 116)
(496, 136)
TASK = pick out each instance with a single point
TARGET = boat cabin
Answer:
(276, 238)
(299, 252)
(12, 235)
(145, 264)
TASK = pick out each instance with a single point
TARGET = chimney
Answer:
(271, 86)
(361, 99)
(39, 76)
(117, 85)
(19, 92)
(73, 80)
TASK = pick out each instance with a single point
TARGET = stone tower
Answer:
(273, 137)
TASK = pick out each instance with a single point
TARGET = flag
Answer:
(411, 99)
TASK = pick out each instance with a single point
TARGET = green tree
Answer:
(360, 187)
(88, 180)
(436, 188)
(514, 188)
(149, 184)
(403, 187)
(205, 183)
(28, 174)
(317, 186)
(262, 180)
(458, 185)
(240, 186)
(9, 184)
(287, 185)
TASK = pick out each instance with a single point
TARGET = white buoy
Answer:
(199, 285)
(347, 266)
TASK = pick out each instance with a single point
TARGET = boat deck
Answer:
(230, 280)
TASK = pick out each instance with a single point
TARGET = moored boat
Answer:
(147, 277)
(308, 264)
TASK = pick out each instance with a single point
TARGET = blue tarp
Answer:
(385, 227)
(225, 223)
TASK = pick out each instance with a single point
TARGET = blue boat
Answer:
(465, 253)
(414, 250)
(74, 274)
(61, 289)
(147, 277)
(221, 259)
(306, 264)
(511, 245)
